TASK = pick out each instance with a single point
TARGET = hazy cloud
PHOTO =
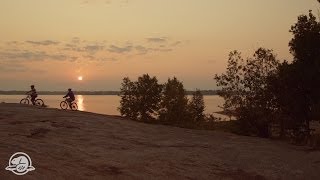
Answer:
(10, 43)
(77, 49)
(30, 56)
(120, 50)
(78, 45)
(90, 57)
(157, 40)
(43, 43)
(93, 48)
(22, 55)
(94, 58)
(72, 47)
(73, 58)
(141, 49)
(75, 40)
(162, 49)
(108, 59)
(18, 67)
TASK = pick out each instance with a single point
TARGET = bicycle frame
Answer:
(72, 104)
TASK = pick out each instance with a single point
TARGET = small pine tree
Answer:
(128, 99)
(196, 107)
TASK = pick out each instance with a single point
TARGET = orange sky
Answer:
(51, 43)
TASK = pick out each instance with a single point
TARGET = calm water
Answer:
(103, 104)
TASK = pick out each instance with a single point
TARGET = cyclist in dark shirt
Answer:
(70, 96)
(33, 94)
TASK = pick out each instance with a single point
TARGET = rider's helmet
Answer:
(32, 86)
(69, 89)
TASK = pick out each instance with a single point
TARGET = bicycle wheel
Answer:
(74, 106)
(64, 105)
(39, 102)
(24, 101)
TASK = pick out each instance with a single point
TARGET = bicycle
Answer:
(65, 104)
(26, 100)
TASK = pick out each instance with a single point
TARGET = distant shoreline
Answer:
(204, 92)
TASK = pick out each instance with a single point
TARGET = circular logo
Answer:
(20, 163)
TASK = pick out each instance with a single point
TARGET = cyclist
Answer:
(70, 98)
(33, 94)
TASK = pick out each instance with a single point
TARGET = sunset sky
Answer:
(50, 43)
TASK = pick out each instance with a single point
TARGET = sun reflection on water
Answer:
(80, 103)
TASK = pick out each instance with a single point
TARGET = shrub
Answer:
(196, 107)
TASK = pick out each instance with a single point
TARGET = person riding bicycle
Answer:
(71, 98)
(33, 94)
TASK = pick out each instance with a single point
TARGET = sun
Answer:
(80, 78)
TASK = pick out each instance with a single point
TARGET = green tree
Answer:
(197, 107)
(305, 47)
(174, 103)
(280, 87)
(295, 86)
(231, 82)
(128, 107)
(245, 89)
(140, 100)
(148, 96)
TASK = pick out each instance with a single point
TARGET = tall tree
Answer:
(305, 47)
(244, 88)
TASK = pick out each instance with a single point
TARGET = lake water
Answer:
(103, 104)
